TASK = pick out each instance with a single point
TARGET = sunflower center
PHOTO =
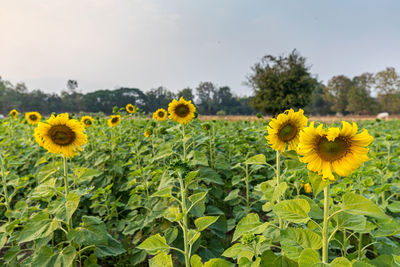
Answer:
(287, 132)
(62, 135)
(33, 117)
(88, 122)
(332, 150)
(182, 110)
(161, 114)
(115, 120)
(130, 108)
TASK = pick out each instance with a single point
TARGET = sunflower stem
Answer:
(247, 187)
(66, 185)
(325, 242)
(184, 142)
(185, 222)
(4, 181)
(277, 182)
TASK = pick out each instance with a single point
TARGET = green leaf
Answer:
(85, 174)
(155, 244)
(341, 262)
(72, 204)
(257, 159)
(195, 261)
(308, 257)
(295, 240)
(161, 260)
(66, 257)
(92, 231)
(165, 192)
(279, 191)
(109, 248)
(39, 226)
(362, 264)
(357, 204)
(43, 257)
(11, 254)
(202, 223)
(234, 194)
(218, 263)
(294, 210)
(394, 207)
(199, 158)
(193, 235)
(269, 259)
(317, 183)
(249, 224)
(209, 175)
(164, 151)
(350, 221)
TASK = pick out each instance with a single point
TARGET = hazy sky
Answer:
(178, 43)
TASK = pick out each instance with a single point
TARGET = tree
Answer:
(336, 93)
(158, 98)
(206, 94)
(186, 93)
(318, 105)
(359, 98)
(387, 83)
(280, 83)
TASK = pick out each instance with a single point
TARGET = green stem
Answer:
(325, 242)
(359, 246)
(247, 187)
(277, 182)
(184, 142)
(66, 185)
(4, 181)
(344, 247)
(185, 222)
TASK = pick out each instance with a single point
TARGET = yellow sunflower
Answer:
(181, 111)
(307, 188)
(130, 108)
(61, 135)
(160, 114)
(13, 113)
(114, 120)
(338, 150)
(147, 133)
(33, 117)
(87, 121)
(284, 131)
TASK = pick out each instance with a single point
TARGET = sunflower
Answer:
(160, 114)
(285, 130)
(307, 188)
(61, 135)
(181, 111)
(87, 121)
(147, 133)
(338, 150)
(13, 113)
(33, 117)
(114, 120)
(130, 108)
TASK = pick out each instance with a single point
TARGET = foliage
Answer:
(280, 83)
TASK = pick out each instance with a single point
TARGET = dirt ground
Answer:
(327, 119)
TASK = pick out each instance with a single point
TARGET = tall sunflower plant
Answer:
(181, 203)
(55, 219)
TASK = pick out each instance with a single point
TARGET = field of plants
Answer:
(183, 192)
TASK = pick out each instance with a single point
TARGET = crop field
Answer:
(130, 190)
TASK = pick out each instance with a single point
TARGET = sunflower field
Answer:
(171, 190)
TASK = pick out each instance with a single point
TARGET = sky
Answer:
(107, 44)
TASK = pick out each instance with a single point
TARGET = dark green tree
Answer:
(280, 83)
(186, 93)
(336, 93)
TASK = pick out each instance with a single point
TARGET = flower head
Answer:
(334, 150)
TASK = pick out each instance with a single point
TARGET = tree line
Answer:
(285, 81)
(210, 99)
(278, 83)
